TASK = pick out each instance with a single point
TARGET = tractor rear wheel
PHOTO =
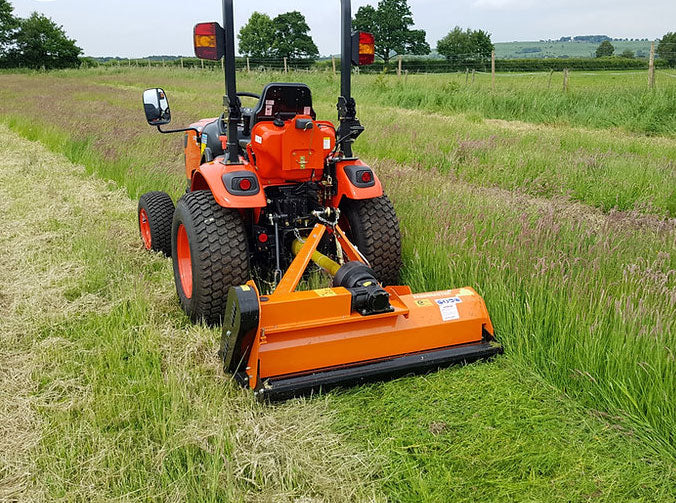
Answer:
(373, 226)
(155, 212)
(210, 254)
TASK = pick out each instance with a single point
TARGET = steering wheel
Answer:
(222, 120)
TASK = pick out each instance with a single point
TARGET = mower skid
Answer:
(420, 363)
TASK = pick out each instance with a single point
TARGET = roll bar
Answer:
(350, 127)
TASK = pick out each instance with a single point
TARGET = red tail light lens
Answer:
(366, 176)
(245, 184)
(363, 48)
(208, 38)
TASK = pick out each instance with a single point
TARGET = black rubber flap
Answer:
(281, 389)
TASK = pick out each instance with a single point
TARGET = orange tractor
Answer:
(271, 189)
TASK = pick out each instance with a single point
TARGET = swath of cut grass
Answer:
(107, 392)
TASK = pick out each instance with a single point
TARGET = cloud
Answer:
(504, 4)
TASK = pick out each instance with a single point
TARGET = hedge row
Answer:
(420, 65)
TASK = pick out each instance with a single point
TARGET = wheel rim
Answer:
(144, 225)
(184, 262)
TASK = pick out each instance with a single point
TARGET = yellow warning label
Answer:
(245, 288)
(423, 302)
(325, 292)
(464, 292)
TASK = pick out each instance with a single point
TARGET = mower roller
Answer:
(271, 189)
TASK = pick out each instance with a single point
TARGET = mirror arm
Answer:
(169, 131)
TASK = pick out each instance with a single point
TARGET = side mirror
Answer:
(156, 107)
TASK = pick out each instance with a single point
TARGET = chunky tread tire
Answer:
(374, 229)
(160, 210)
(219, 253)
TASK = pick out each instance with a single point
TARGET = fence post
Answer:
(399, 66)
(333, 63)
(651, 66)
(565, 80)
(149, 65)
(549, 84)
(248, 67)
(202, 61)
(493, 70)
(286, 68)
(466, 75)
(223, 63)
(473, 75)
(181, 62)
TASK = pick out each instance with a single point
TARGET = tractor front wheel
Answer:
(372, 225)
(155, 212)
(210, 254)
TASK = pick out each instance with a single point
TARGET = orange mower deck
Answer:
(288, 343)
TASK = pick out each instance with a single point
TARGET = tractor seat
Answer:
(283, 100)
(213, 138)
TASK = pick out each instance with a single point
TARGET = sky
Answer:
(138, 28)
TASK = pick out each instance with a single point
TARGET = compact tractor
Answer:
(270, 189)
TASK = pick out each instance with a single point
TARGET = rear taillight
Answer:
(363, 48)
(366, 176)
(245, 184)
(208, 38)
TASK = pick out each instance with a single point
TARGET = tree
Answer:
(8, 26)
(627, 53)
(605, 49)
(468, 45)
(390, 25)
(291, 37)
(257, 37)
(666, 48)
(39, 42)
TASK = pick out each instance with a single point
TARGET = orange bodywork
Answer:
(309, 331)
(288, 154)
(279, 156)
(347, 189)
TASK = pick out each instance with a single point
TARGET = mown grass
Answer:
(582, 296)
(129, 401)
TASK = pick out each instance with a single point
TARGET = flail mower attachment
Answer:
(290, 343)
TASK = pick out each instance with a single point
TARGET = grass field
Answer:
(572, 49)
(562, 219)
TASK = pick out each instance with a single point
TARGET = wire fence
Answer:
(411, 64)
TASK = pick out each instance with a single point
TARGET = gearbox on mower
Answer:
(270, 189)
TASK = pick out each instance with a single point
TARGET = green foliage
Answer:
(467, 45)
(666, 48)
(627, 53)
(39, 42)
(291, 39)
(257, 37)
(390, 25)
(8, 25)
(605, 49)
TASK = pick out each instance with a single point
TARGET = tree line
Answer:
(34, 42)
(391, 21)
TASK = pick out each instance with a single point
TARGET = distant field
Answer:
(558, 207)
(536, 49)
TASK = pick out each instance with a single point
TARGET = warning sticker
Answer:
(205, 138)
(258, 139)
(465, 292)
(268, 109)
(325, 292)
(449, 308)
(327, 143)
(423, 303)
(307, 110)
(246, 288)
